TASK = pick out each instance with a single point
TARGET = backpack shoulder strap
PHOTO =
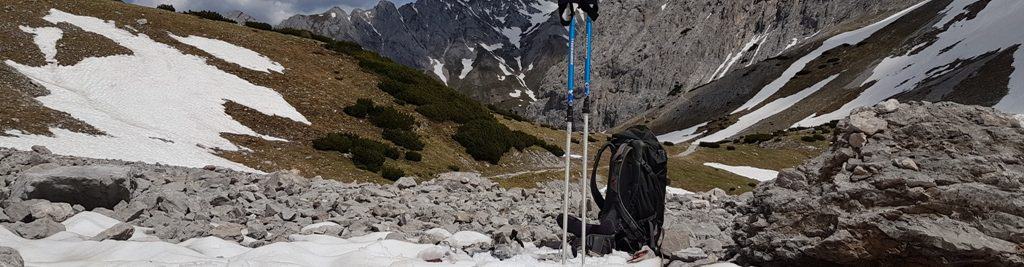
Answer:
(598, 198)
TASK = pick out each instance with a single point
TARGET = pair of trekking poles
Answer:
(567, 11)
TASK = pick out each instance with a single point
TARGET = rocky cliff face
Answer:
(962, 51)
(905, 184)
(514, 53)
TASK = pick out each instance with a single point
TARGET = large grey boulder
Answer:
(940, 184)
(90, 186)
(55, 211)
(38, 229)
(120, 231)
(10, 257)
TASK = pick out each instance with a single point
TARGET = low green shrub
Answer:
(210, 15)
(391, 118)
(757, 138)
(367, 158)
(454, 168)
(259, 25)
(304, 34)
(166, 7)
(709, 144)
(413, 156)
(808, 138)
(392, 173)
(404, 138)
(361, 109)
(820, 137)
(366, 154)
(488, 140)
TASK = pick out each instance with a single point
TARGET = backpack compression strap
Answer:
(598, 198)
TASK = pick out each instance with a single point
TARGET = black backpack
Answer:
(635, 199)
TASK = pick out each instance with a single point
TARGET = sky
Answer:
(271, 11)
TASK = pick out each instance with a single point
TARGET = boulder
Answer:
(945, 189)
(405, 182)
(228, 231)
(889, 106)
(10, 257)
(38, 229)
(55, 211)
(18, 211)
(858, 139)
(866, 122)
(120, 231)
(41, 150)
(434, 236)
(90, 186)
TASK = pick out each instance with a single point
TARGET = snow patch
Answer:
(677, 191)
(531, 95)
(491, 48)
(682, 135)
(766, 111)
(231, 53)
(157, 105)
(467, 66)
(730, 60)
(46, 38)
(513, 34)
(994, 29)
(438, 67)
(851, 37)
(745, 171)
(791, 44)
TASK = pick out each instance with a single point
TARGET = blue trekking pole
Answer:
(568, 133)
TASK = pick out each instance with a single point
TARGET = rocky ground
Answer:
(904, 184)
(175, 204)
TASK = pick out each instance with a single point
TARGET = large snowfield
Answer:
(157, 105)
(73, 248)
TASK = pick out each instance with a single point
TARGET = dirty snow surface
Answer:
(232, 53)
(157, 105)
(745, 171)
(71, 248)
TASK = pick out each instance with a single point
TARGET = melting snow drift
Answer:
(749, 172)
(232, 53)
(157, 105)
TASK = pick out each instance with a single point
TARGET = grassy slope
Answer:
(688, 172)
(319, 83)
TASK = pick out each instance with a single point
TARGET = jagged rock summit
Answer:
(904, 184)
